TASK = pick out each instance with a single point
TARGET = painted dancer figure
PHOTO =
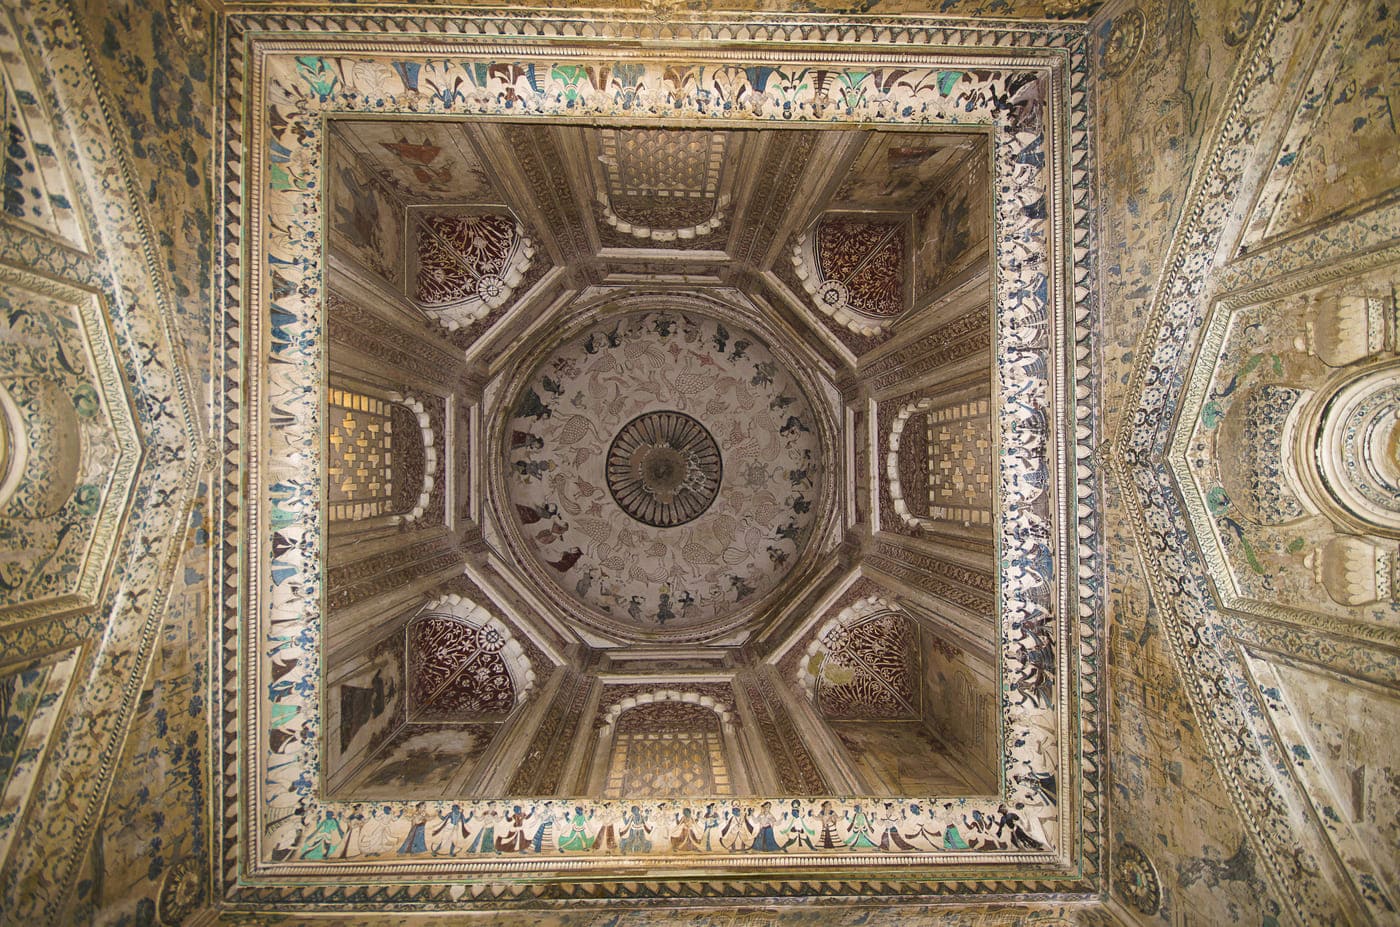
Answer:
(576, 837)
(711, 823)
(888, 825)
(734, 836)
(924, 831)
(354, 833)
(485, 839)
(1011, 821)
(324, 839)
(416, 841)
(544, 837)
(828, 819)
(375, 837)
(685, 838)
(606, 836)
(454, 822)
(797, 829)
(634, 832)
(514, 839)
(765, 841)
(860, 830)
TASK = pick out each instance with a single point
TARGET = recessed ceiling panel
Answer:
(423, 162)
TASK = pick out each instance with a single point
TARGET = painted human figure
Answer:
(797, 829)
(922, 830)
(860, 830)
(374, 838)
(514, 839)
(576, 838)
(685, 837)
(735, 834)
(354, 833)
(416, 841)
(485, 838)
(605, 838)
(888, 825)
(634, 832)
(324, 839)
(979, 831)
(710, 821)
(544, 838)
(454, 822)
(829, 820)
(765, 841)
(526, 440)
(1011, 822)
(533, 514)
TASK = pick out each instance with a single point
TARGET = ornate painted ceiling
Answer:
(662, 470)
(655, 463)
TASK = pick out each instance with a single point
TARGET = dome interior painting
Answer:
(651, 498)
(828, 464)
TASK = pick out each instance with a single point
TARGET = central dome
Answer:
(663, 470)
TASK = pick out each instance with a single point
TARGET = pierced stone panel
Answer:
(662, 185)
(938, 462)
(669, 748)
(381, 459)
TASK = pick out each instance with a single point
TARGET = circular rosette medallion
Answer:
(664, 469)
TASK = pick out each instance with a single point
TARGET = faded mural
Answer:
(1169, 75)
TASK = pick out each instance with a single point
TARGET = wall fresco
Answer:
(126, 119)
(1199, 772)
(347, 835)
(153, 62)
(70, 445)
(30, 698)
(1248, 456)
(1335, 157)
(951, 230)
(422, 162)
(419, 760)
(960, 707)
(365, 219)
(365, 703)
(1175, 801)
(467, 265)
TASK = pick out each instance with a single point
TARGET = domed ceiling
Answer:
(664, 468)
